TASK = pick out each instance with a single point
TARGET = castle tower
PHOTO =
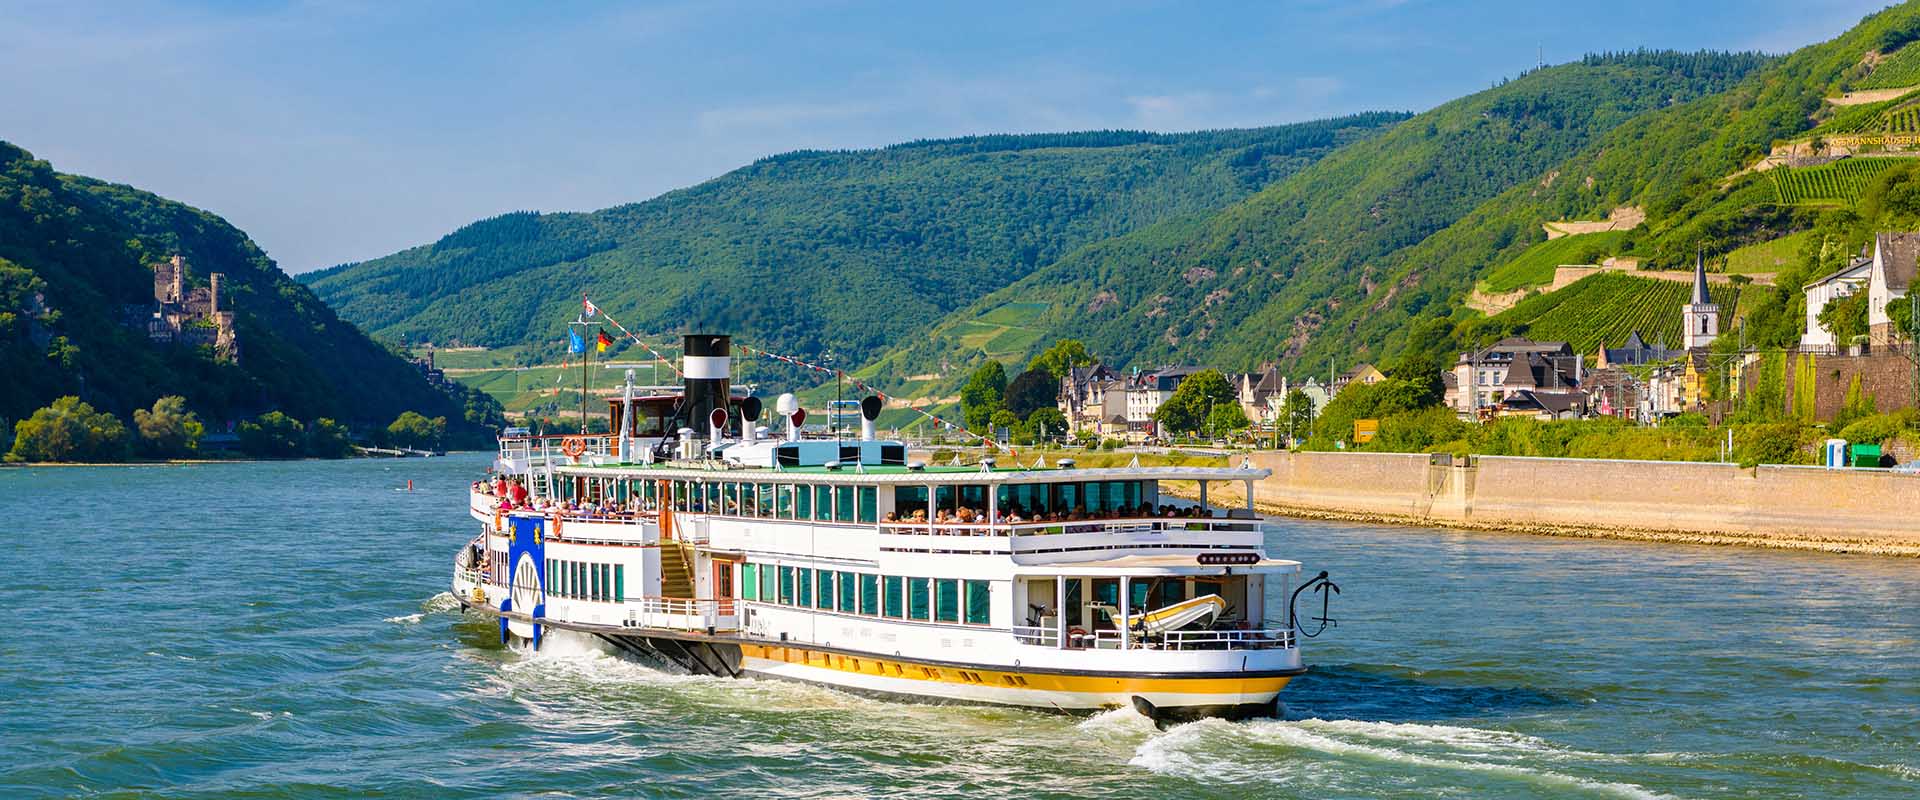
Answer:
(1700, 318)
(179, 279)
(213, 295)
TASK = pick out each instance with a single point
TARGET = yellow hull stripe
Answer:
(1044, 681)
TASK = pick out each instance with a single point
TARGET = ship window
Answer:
(766, 500)
(1170, 591)
(723, 578)
(750, 581)
(823, 503)
(619, 583)
(979, 605)
(593, 581)
(787, 455)
(843, 504)
(786, 586)
(906, 499)
(946, 600)
(749, 501)
(803, 580)
(768, 577)
(917, 598)
(803, 502)
(896, 598)
(606, 582)
(869, 594)
(1138, 594)
(894, 454)
(850, 454)
(1204, 588)
(869, 510)
(786, 501)
(847, 591)
(823, 597)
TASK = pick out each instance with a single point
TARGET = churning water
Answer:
(282, 630)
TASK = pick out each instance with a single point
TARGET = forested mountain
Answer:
(74, 268)
(810, 251)
(1329, 262)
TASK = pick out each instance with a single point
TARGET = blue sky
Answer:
(339, 131)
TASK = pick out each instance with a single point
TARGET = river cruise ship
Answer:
(696, 536)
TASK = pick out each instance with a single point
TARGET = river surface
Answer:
(282, 630)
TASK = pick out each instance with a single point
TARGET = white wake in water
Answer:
(441, 603)
(1312, 751)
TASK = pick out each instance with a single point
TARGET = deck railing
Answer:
(683, 614)
(1268, 639)
(1121, 525)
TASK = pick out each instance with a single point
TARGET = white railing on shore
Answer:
(1268, 639)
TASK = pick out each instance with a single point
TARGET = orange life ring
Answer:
(574, 446)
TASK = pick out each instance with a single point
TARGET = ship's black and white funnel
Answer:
(706, 366)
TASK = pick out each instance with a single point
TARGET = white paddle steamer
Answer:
(732, 550)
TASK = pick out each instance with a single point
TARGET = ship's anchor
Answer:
(1327, 590)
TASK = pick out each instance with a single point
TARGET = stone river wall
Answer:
(1859, 511)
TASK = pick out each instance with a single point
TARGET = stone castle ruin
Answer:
(188, 316)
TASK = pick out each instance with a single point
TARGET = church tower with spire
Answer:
(1701, 317)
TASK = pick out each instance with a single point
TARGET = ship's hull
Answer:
(1164, 697)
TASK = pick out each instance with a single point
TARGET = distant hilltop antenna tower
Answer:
(1540, 56)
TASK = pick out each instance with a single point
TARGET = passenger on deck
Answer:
(518, 492)
(890, 517)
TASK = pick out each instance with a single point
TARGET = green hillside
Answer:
(814, 251)
(1606, 308)
(73, 258)
(1535, 266)
(1295, 272)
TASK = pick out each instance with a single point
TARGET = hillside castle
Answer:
(187, 316)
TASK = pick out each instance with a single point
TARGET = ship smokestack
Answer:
(706, 367)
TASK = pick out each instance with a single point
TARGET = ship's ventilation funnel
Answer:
(869, 411)
(706, 367)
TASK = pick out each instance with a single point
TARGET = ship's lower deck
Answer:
(1166, 697)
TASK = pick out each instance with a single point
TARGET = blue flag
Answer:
(577, 345)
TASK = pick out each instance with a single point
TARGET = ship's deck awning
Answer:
(1156, 565)
(893, 474)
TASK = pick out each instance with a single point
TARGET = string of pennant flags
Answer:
(589, 311)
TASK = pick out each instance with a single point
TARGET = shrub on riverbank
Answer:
(70, 430)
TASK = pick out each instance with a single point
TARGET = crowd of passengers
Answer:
(1014, 514)
(513, 496)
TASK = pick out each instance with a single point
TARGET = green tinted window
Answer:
(896, 597)
(869, 504)
(619, 583)
(803, 502)
(825, 589)
(786, 586)
(946, 600)
(917, 598)
(749, 581)
(823, 503)
(768, 579)
(979, 603)
(804, 578)
(843, 504)
(848, 589)
(869, 594)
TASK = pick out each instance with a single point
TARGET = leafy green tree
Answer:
(1845, 317)
(412, 429)
(69, 430)
(1900, 315)
(1296, 414)
(169, 430)
(328, 439)
(273, 435)
(1196, 397)
(984, 393)
(1047, 422)
(1227, 418)
(1032, 390)
(1064, 355)
(1366, 401)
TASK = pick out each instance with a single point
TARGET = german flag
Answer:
(603, 342)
